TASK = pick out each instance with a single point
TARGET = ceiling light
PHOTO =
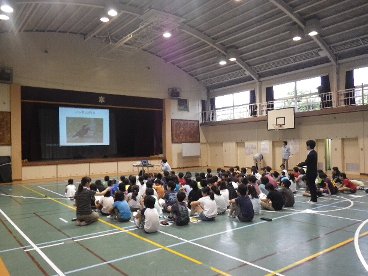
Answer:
(104, 19)
(296, 33)
(166, 34)
(222, 61)
(6, 8)
(312, 27)
(4, 17)
(112, 12)
(232, 53)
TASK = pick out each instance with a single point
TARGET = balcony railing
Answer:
(302, 103)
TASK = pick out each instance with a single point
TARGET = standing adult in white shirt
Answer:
(165, 166)
(285, 155)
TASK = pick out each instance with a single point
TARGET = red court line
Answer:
(22, 245)
(83, 246)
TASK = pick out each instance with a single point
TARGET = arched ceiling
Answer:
(204, 30)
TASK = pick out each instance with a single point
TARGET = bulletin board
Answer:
(184, 131)
(5, 128)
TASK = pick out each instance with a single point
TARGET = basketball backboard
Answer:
(280, 119)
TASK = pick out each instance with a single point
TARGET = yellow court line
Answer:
(311, 257)
(140, 237)
(3, 270)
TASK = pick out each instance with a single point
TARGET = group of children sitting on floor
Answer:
(243, 192)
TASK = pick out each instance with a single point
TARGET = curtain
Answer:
(203, 111)
(252, 103)
(270, 98)
(326, 99)
(212, 109)
(349, 85)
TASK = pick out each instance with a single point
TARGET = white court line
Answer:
(46, 246)
(28, 197)
(180, 243)
(91, 235)
(52, 192)
(222, 253)
(64, 220)
(356, 244)
(39, 251)
(321, 214)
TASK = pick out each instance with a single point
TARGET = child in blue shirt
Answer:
(121, 210)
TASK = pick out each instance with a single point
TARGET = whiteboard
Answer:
(191, 149)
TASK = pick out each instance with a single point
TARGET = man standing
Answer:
(165, 166)
(285, 155)
(311, 163)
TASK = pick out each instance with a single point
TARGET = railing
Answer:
(354, 96)
(302, 103)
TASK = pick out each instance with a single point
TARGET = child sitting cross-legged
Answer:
(179, 210)
(274, 200)
(148, 218)
(287, 194)
(105, 203)
(121, 210)
(243, 205)
(205, 206)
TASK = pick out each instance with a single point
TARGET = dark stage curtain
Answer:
(212, 109)
(203, 111)
(252, 103)
(349, 84)
(270, 98)
(326, 99)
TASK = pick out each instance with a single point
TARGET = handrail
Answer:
(301, 103)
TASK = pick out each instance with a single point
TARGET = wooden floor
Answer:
(38, 238)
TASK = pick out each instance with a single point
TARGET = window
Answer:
(232, 106)
(302, 94)
(361, 79)
(360, 76)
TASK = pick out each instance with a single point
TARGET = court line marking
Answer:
(26, 197)
(39, 251)
(221, 253)
(90, 235)
(51, 191)
(316, 255)
(64, 220)
(46, 246)
(114, 226)
(3, 269)
(174, 252)
(356, 244)
(321, 214)
(176, 244)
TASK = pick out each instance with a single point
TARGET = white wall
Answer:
(68, 62)
(338, 127)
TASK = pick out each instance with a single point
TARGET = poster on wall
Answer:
(184, 131)
(265, 147)
(5, 129)
(250, 149)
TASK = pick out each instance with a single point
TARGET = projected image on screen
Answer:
(84, 130)
(83, 126)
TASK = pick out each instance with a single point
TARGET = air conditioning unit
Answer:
(174, 92)
(6, 75)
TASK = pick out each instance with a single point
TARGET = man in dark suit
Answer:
(311, 163)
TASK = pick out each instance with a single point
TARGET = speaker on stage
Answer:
(5, 169)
